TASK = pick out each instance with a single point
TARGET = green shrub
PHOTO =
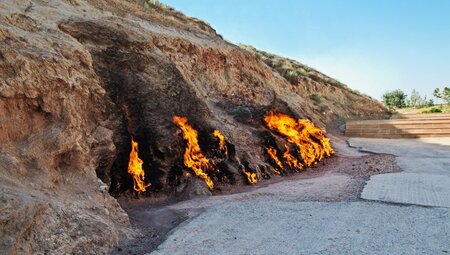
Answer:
(395, 99)
(303, 72)
(433, 110)
(148, 4)
(316, 98)
(291, 76)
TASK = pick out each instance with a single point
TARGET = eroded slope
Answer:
(79, 78)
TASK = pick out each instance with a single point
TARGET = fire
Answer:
(309, 139)
(251, 177)
(222, 143)
(291, 160)
(319, 135)
(135, 168)
(273, 154)
(193, 157)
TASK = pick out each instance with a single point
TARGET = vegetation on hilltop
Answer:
(158, 11)
(290, 69)
(152, 3)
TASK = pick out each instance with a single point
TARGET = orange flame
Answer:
(222, 143)
(319, 135)
(135, 168)
(291, 160)
(309, 139)
(193, 157)
(273, 154)
(251, 177)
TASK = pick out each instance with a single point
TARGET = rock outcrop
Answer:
(79, 78)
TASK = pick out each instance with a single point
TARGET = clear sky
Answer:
(371, 45)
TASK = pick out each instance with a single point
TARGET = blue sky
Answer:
(373, 46)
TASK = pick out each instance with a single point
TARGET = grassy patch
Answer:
(433, 110)
(149, 4)
(290, 69)
(444, 108)
(316, 98)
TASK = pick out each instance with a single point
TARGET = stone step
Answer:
(398, 121)
(421, 116)
(398, 136)
(405, 127)
(429, 130)
(401, 128)
(391, 135)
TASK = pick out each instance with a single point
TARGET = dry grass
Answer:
(412, 110)
(291, 69)
(156, 11)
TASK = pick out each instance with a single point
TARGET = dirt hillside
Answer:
(332, 100)
(79, 78)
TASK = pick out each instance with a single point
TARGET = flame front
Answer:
(273, 154)
(291, 160)
(309, 139)
(319, 135)
(222, 143)
(251, 177)
(193, 157)
(135, 169)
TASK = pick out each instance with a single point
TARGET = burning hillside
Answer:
(103, 98)
(308, 141)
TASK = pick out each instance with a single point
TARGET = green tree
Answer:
(444, 94)
(394, 99)
(415, 99)
(436, 93)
